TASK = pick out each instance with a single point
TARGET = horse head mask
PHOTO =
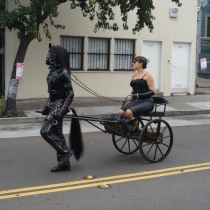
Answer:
(57, 57)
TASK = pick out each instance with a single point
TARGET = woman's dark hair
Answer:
(142, 60)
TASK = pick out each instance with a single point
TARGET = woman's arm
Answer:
(150, 82)
(132, 88)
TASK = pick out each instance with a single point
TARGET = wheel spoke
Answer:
(165, 144)
(164, 129)
(157, 130)
(165, 137)
(161, 133)
(134, 141)
(119, 139)
(129, 148)
(149, 150)
(160, 150)
(155, 151)
(124, 144)
(151, 128)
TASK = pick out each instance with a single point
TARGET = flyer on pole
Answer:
(203, 63)
(19, 70)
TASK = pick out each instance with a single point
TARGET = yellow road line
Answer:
(102, 179)
(108, 182)
(84, 183)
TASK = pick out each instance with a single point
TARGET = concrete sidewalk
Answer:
(92, 106)
(178, 105)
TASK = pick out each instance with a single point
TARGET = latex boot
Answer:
(62, 167)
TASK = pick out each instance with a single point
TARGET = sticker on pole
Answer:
(203, 63)
(19, 70)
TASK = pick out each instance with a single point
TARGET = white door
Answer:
(152, 50)
(180, 68)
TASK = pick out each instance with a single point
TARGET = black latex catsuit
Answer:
(141, 105)
(60, 97)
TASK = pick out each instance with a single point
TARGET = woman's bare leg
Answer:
(129, 114)
(122, 113)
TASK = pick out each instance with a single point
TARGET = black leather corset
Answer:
(139, 86)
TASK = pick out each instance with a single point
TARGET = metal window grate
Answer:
(98, 53)
(75, 47)
(123, 54)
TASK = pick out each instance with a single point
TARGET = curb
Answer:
(13, 120)
(180, 113)
(40, 119)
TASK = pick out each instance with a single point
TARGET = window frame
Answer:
(94, 53)
(122, 54)
(76, 53)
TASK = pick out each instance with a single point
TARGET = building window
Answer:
(75, 47)
(98, 54)
(123, 54)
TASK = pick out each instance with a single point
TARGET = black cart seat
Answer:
(158, 101)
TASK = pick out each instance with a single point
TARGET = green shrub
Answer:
(2, 105)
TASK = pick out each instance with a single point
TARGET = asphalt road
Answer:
(181, 181)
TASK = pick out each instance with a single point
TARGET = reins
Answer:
(83, 86)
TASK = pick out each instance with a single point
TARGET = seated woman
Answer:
(142, 84)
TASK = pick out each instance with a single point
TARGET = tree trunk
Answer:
(13, 85)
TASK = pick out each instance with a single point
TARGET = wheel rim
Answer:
(156, 140)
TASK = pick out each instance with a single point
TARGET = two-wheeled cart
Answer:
(154, 139)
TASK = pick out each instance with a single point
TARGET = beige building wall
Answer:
(107, 83)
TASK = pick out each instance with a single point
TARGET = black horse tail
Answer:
(75, 137)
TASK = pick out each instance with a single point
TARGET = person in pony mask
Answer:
(61, 95)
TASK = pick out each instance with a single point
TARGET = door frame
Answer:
(189, 67)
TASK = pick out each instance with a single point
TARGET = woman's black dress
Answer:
(141, 105)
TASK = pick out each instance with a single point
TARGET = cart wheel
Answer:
(127, 145)
(156, 140)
